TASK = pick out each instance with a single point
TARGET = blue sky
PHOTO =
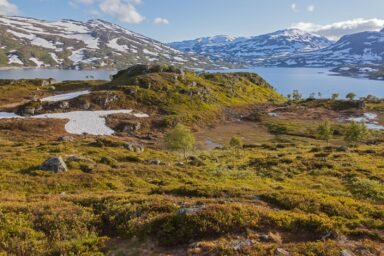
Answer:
(173, 20)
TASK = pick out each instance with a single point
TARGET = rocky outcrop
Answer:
(54, 164)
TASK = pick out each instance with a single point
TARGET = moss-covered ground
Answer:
(284, 190)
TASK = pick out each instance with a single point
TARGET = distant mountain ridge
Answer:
(295, 48)
(364, 48)
(76, 44)
(255, 50)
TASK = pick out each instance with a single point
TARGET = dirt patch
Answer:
(32, 127)
(220, 135)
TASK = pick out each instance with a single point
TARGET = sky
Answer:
(176, 20)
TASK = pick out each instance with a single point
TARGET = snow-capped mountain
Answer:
(365, 48)
(206, 45)
(255, 50)
(75, 44)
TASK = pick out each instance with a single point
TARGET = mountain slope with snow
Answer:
(75, 44)
(254, 50)
(365, 48)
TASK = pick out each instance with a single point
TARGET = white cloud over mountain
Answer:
(8, 8)
(336, 30)
(124, 11)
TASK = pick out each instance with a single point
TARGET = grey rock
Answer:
(264, 237)
(153, 161)
(346, 253)
(64, 105)
(131, 127)
(134, 147)
(189, 210)
(78, 159)
(281, 252)
(241, 244)
(66, 138)
(54, 164)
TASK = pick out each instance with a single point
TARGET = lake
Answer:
(314, 80)
(285, 80)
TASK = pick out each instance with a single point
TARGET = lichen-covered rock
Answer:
(134, 147)
(153, 161)
(66, 138)
(281, 252)
(54, 164)
(346, 253)
(190, 210)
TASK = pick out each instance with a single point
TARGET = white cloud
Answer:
(336, 30)
(311, 8)
(294, 7)
(7, 8)
(161, 21)
(122, 10)
(85, 1)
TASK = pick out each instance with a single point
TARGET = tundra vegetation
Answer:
(295, 186)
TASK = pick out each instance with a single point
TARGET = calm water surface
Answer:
(58, 74)
(314, 80)
(285, 80)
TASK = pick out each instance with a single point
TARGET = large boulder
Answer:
(54, 164)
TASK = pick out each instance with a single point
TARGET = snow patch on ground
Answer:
(37, 62)
(66, 96)
(89, 122)
(14, 59)
(6, 115)
(114, 45)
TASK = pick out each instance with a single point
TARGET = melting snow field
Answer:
(66, 96)
(90, 122)
(5, 115)
(80, 122)
(368, 119)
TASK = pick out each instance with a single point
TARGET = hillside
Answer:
(173, 95)
(74, 44)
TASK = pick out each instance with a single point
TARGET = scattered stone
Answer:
(189, 210)
(180, 164)
(346, 253)
(78, 159)
(281, 252)
(264, 237)
(131, 127)
(134, 147)
(64, 105)
(241, 244)
(153, 161)
(66, 138)
(195, 161)
(54, 164)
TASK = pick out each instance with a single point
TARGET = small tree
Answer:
(180, 138)
(351, 96)
(296, 95)
(236, 142)
(356, 132)
(335, 96)
(325, 131)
